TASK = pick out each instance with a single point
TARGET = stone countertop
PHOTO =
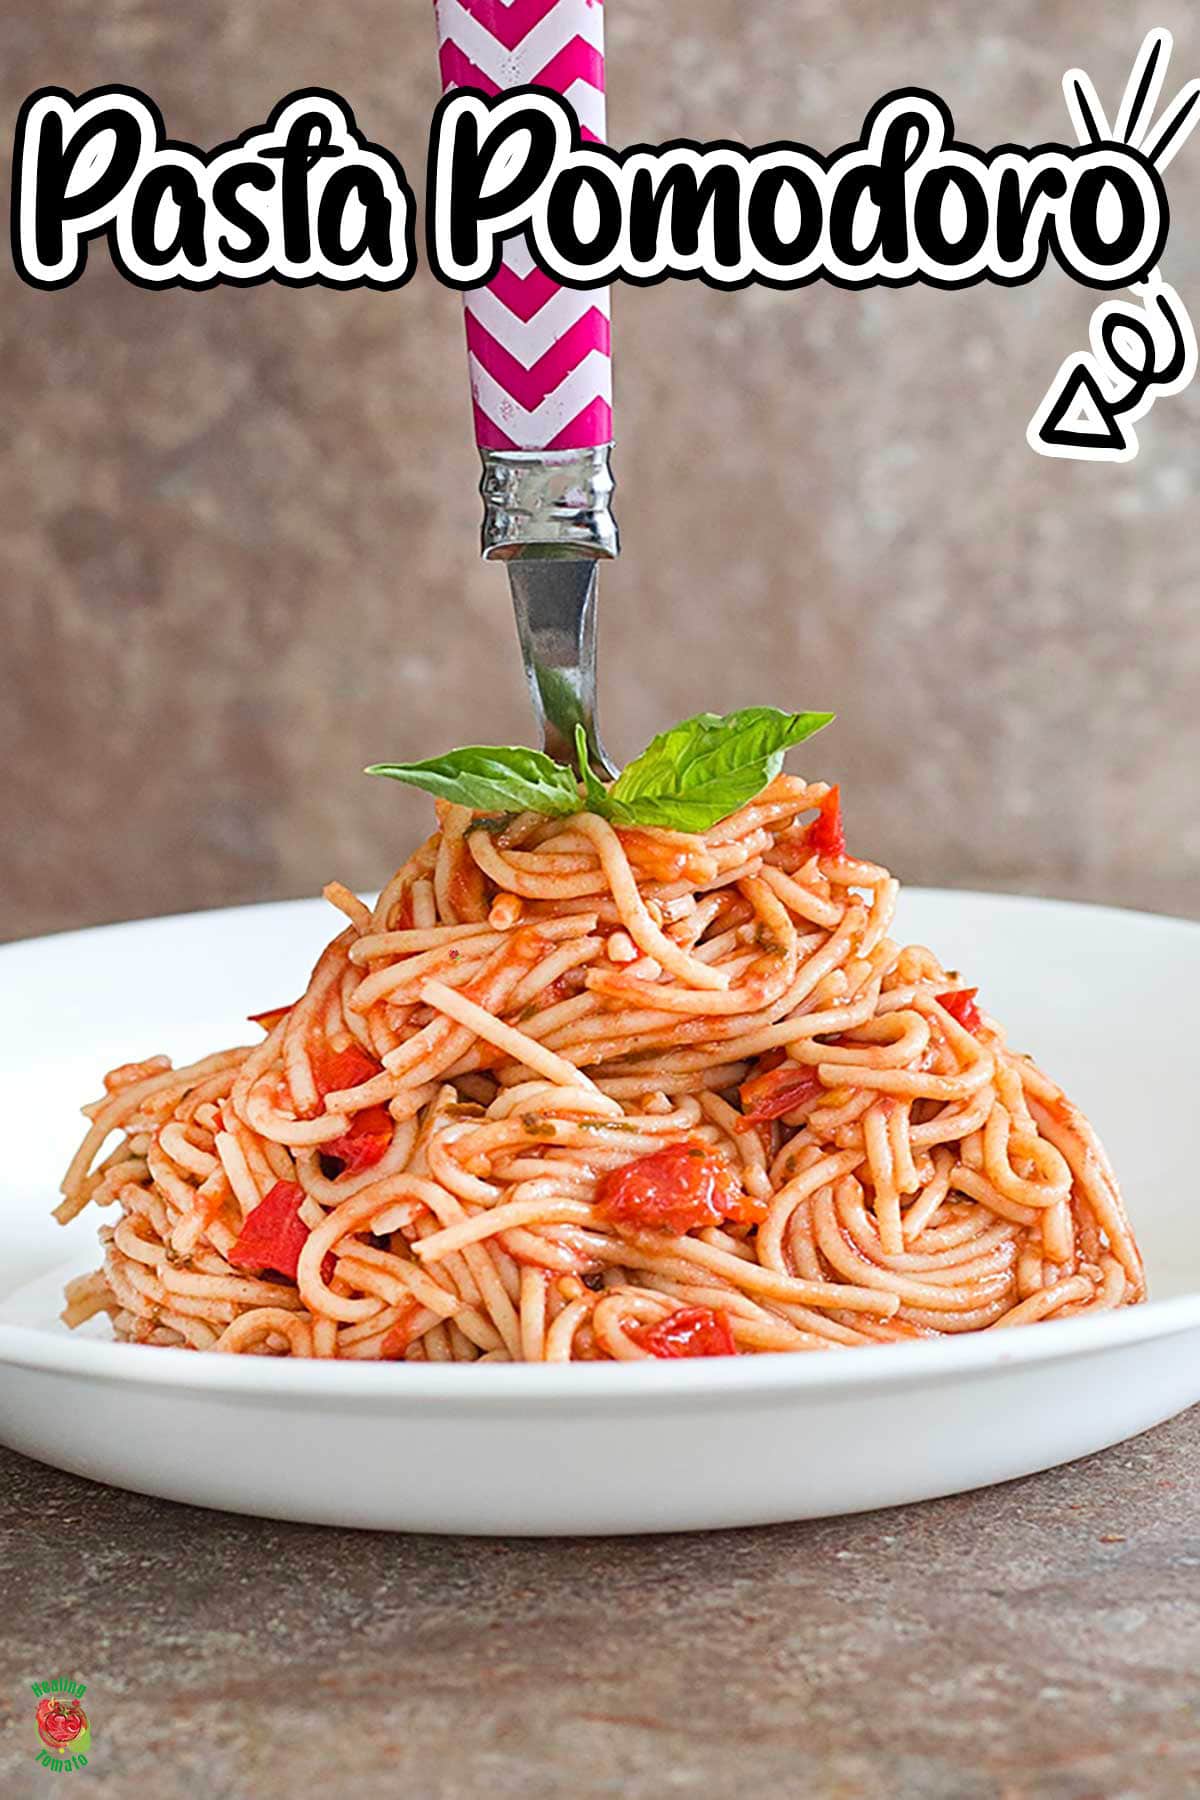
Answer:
(1036, 1640)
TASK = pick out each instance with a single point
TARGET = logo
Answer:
(62, 1724)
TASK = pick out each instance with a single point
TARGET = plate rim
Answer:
(864, 1367)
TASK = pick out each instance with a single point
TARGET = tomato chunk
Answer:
(334, 1070)
(270, 1019)
(367, 1140)
(370, 1131)
(680, 1188)
(961, 1006)
(274, 1234)
(692, 1331)
(773, 1092)
(826, 835)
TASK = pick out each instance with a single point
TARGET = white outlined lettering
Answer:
(936, 210)
(303, 199)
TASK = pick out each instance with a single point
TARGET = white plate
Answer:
(1100, 997)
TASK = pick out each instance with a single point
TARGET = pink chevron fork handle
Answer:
(539, 354)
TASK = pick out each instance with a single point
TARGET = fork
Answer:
(541, 383)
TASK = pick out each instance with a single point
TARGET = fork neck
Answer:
(548, 504)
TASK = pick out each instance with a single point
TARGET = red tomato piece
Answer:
(270, 1019)
(692, 1331)
(679, 1188)
(336, 1070)
(961, 1006)
(366, 1141)
(826, 835)
(773, 1092)
(274, 1234)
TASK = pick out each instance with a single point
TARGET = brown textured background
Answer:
(237, 529)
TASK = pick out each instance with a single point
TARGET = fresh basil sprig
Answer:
(492, 778)
(705, 768)
(686, 780)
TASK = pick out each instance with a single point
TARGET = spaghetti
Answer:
(572, 1091)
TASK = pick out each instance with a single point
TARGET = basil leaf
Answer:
(689, 778)
(595, 793)
(492, 778)
(705, 768)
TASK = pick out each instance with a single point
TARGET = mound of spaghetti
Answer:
(573, 1090)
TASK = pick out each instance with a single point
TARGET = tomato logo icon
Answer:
(62, 1724)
